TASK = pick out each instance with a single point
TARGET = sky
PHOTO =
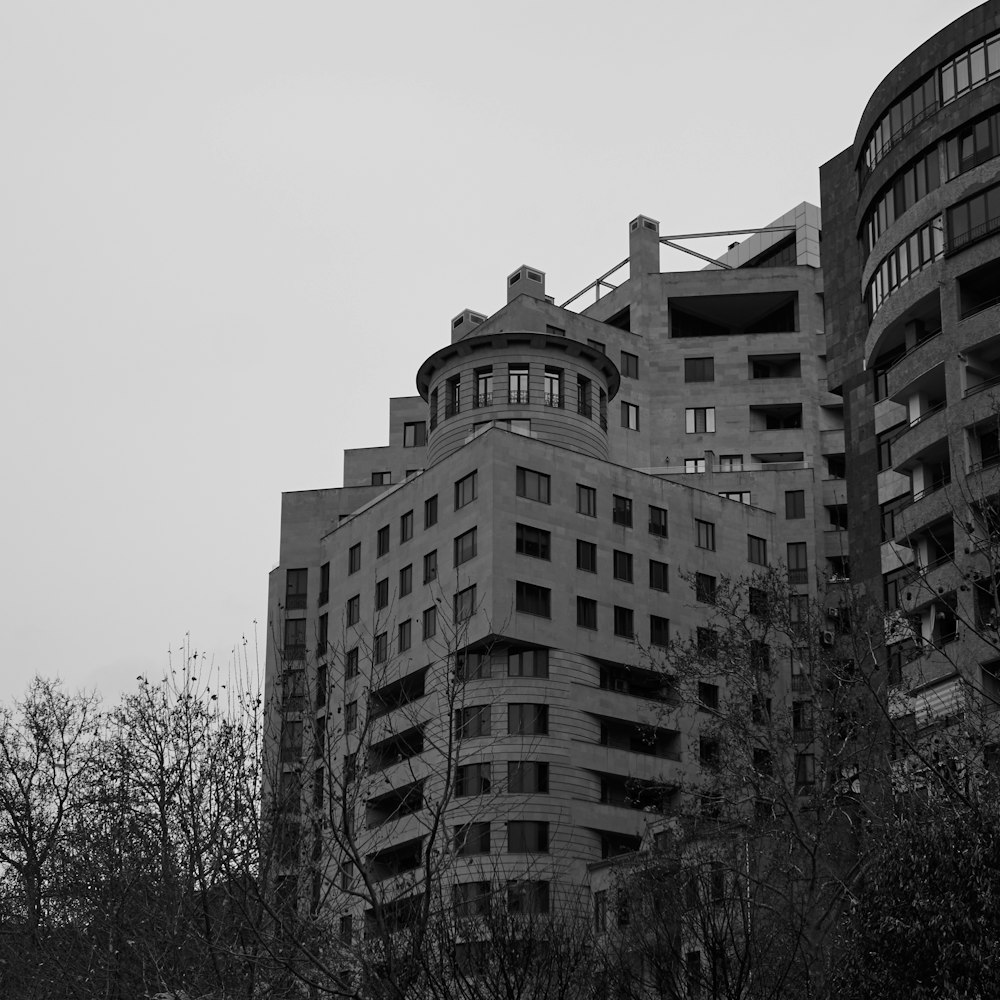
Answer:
(230, 231)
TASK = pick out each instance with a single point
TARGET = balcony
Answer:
(482, 399)
(554, 399)
(518, 397)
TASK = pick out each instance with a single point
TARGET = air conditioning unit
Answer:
(826, 637)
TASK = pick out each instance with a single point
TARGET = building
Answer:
(467, 629)
(912, 265)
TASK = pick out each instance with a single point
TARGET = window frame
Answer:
(586, 497)
(586, 556)
(523, 600)
(621, 510)
(465, 546)
(540, 489)
(524, 540)
(704, 532)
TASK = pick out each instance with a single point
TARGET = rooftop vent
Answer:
(526, 281)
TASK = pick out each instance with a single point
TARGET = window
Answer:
(707, 642)
(704, 535)
(596, 345)
(533, 600)
(694, 465)
(405, 580)
(659, 575)
(624, 622)
(730, 463)
(630, 416)
(380, 648)
(465, 489)
(586, 556)
(757, 550)
(472, 838)
(453, 396)
(528, 898)
(659, 631)
(465, 603)
(623, 566)
(798, 569)
(802, 717)
(630, 365)
(586, 612)
(600, 911)
(323, 638)
(472, 779)
(465, 546)
(381, 594)
(406, 527)
(430, 623)
(704, 588)
(621, 510)
(708, 751)
(528, 720)
(737, 496)
(528, 663)
(381, 478)
(699, 369)
(354, 559)
(700, 420)
(552, 387)
(470, 899)
(795, 504)
(346, 929)
(472, 722)
(295, 638)
(758, 602)
(471, 666)
(415, 434)
(430, 566)
(324, 583)
(351, 716)
(532, 485)
(430, 511)
(527, 837)
(405, 636)
(517, 381)
(760, 656)
(583, 396)
(353, 613)
(526, 777)
(708, 696)
(382, 541)
(533, 542)
(351, 663)
(657, 521)
(586, 500)
(805, 772)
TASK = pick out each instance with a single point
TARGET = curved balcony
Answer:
(919, 359)
(929, 504)
(919, 434)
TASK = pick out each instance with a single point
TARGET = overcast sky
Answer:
(230, 231)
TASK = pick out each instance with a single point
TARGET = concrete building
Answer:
(475, 616)
(912, 264)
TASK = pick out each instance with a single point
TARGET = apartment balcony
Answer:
(924, 355)
(615, 760)
(921, 432)
(926, 584)
(929, 504)
(832, 441)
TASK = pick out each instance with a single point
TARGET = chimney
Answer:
(643, 247)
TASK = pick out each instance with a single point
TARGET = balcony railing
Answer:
(920, 418)
(295, 602)
(517, 397)
(877, 155)
(933, 488)
(798, 576)
(979, 232)
(978, 307)
(987, 383)
(910, 350)
(554, 399)
(482, 399)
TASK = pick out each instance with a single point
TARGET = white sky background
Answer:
(229, 231)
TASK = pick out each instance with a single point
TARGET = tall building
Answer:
(473, 618)
(912, 264)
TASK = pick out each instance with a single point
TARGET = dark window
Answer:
(708, 751)
(469, 899)
(465, 489)
(465, 603)
(430, 623)
(472, 779)
(415, 434)
(708, 642)
(354, 558)
(659, 578)
(704, 534)
(473, 838)
(657, 521)
(659, 631)
(381, 478)
(798, 569)
(533, 542)
(405, 636)
(533, 600)
(586, 500)
(405, 580)
(757, 550)
(324, 583)
(465, 546)
(472, 722)
(295, 589)
(527, 720)
(700, 420)
(760, 655)
(406, 527)
(430, 511)
(351, 716)
(380, 648)
(624, 622)
(621, 510)
(382, 541)
(704, 588)
(586, 612)
(353, 614)
(586, 556)
(708, 696)
(630, 365)
(623, 566)
(470, 666)
(758, 602)
(527, 837)
(532, 485)
(351, 663)
(528, 663)
(529, 898)
(795, 504)
(430, 566)
(381, 594)
(295, 638)
(526, 777)
(699, 369)
(630, 416)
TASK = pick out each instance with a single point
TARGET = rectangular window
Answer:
(737, 496)
(699, 369)
(470, 666)
(533, 600)
(430, 623)
(552, 387)
(798, 568)
(430, 511)
(805, 772)
(354, 559)
(621, 510)
(795, 504)
(630, 416)
(295, 638)
(758, 602)
(707, 642)
(659, 578)
(381, 594)
(704, 535)
(583, 396)
(465, 603)
(596, 345)
(624, 622)
(517, 383)
(659, 631)
(472, 838)
(657, 521)
(600, 911)
(757, 550)
(586, 556)
(405, 636)
(623, 566)
(586, 500)
(694, 465)
(527, 837)
(465, 546)
(534, 542)
(324, 583)
(472, 779)
(381, 478)
(380, 648)
(469, 899)
(484, 388)
(586, 612)
(351, 716)
(382, 542)
(527, 720)
(351, 663)
(527, 777)
(324, 634)
(405, 580)
(730, 463)
(415, 434)
(453, 396)
(528, 898)
(700, 420)
(465, 489)
(406, 527)
(532, 485)
(528, 663)
(353, 613)
(708, 696)
(472, 722)
(630, 365)
(430, 566)
(704, 588)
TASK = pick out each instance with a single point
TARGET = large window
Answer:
(535, 542)
(472, 838)
(532, 485)
(415, 434)
(630, 416)
(527, 837)
(970, 69)
(621, 510)
(472, 722)
(526, 777)
(975, 143)
(527, 720)
(465, 603)
(472, 779)
(586, 612)
(700, 420)
(795, 504)
(484, 388)
(659, 575)
(586, 556)
(624, 622)
(623, 566)
(974, 218)
(699, 369)
(908, 187)
(465, 489)
(533, 600)
(586, 500)
(552, 386)
(465, 546)
(916, 252)
(517, 382)
(798, 568)
(528, 663)
(704, 534)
